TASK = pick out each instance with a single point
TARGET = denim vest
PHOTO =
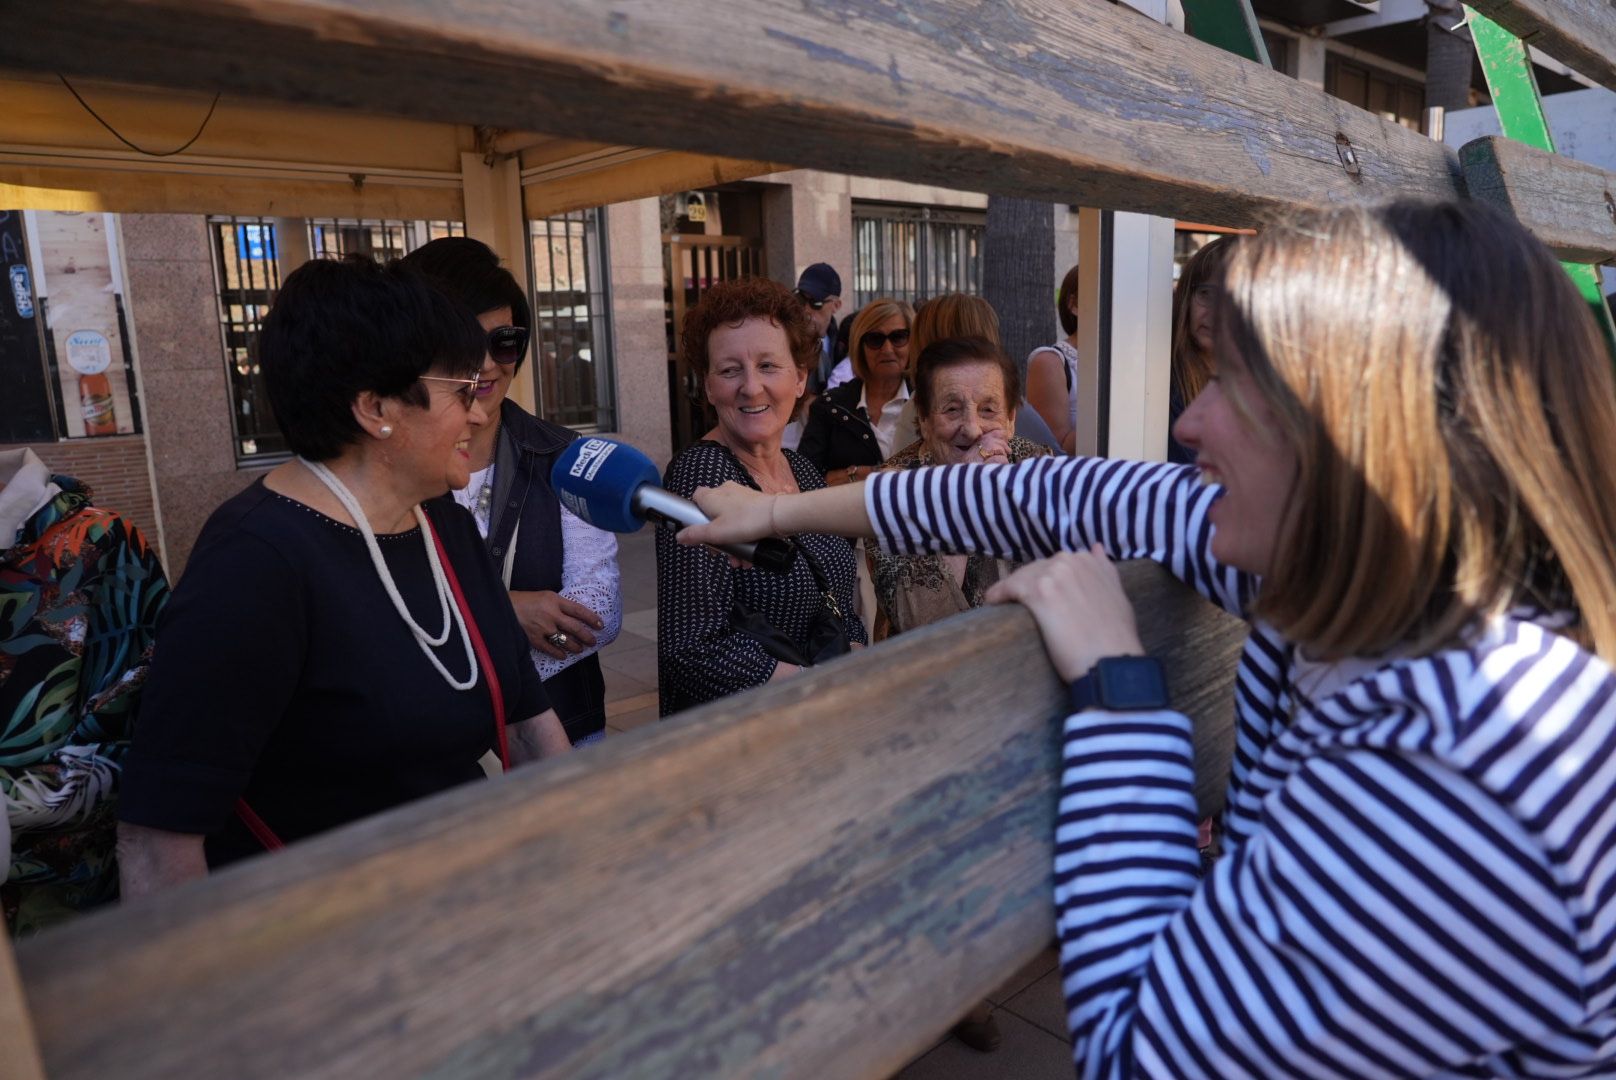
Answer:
(526, 450)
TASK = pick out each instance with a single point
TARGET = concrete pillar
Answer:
(808, 218)
(1141, 329)
(639, 338)
(185, 393)
(1310, 54)
(495, 215)
(1125, 317)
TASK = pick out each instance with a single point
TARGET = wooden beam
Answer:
(806, 880)
(94, 190)
(1569, 205)
(40, 112)
(1578, 33)
(1083, 103)
(20, 1059)
(558, 190)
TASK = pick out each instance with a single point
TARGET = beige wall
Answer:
(176, 318)
(808, 218)
(639, 340)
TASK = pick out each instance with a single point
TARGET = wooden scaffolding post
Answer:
(19, 1048)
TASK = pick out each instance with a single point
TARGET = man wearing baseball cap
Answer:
(820, 289)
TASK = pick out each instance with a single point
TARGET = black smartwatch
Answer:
(1122, 683)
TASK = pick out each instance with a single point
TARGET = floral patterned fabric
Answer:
(80, 592)
(914, 590)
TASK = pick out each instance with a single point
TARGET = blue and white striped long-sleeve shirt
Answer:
(1419, 868)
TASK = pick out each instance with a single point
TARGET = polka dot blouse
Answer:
(699, 658)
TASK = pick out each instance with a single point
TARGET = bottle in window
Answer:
(90, 354)
(95, 401)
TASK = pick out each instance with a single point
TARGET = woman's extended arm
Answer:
(741, 513)
(1024, 512)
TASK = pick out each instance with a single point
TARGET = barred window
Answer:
(915, 252)
(332, 238)
(247, 277)
(572, 346)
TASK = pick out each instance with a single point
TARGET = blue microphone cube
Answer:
(596, 479)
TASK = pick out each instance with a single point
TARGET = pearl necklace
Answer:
(450, 612)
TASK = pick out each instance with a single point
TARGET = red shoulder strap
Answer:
(484, 661)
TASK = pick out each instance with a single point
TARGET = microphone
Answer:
(614, 487)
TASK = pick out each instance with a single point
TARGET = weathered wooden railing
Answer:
(812, 879)
(815, 878)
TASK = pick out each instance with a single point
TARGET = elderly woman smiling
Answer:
(752, 343)
(966, 391)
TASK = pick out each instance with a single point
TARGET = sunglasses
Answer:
(875, 339)
(465, 389)
(507, 344)
(810, 301)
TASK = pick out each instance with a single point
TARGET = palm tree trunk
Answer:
(1018, 273)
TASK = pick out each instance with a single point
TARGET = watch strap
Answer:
(1121, 683)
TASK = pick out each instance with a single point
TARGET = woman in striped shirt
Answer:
(1404, 484)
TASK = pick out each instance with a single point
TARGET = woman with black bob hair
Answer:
(561, 572)
(340, 644)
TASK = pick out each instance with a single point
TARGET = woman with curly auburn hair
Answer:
(1404, 483)
(751, 343)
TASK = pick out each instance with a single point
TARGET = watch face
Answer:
(1132, 682)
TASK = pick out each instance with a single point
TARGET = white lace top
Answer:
(589, 574)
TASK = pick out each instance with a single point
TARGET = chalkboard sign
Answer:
(26, 411)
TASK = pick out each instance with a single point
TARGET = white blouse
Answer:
(589, 573)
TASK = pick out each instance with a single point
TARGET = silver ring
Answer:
(558, 639)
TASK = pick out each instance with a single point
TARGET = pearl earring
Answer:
(386, 430)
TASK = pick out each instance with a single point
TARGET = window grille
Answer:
(248, 276)
(572, 346)
(915, 252)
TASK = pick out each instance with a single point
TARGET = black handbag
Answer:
(827, 632)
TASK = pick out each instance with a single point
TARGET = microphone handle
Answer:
(666, 510)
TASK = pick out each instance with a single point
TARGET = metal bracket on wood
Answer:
(1231, 25)
(1513, 85)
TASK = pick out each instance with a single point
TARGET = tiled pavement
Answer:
(1028, 1007)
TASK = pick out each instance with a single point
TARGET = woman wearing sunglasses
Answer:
(339, 644)
(562, 573)
(853, 428)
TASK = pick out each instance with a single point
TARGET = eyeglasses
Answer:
(507, 344)
(875, 339)
(466, 389)
(810, 301)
